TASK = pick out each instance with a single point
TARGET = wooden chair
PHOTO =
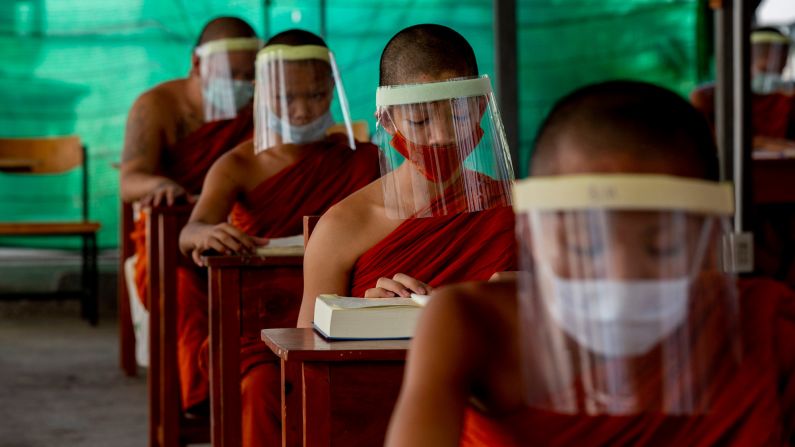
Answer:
(230, 277)
(32, 156)
(168, 425)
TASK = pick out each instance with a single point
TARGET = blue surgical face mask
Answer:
(767, 83)
(224, 97)
(307, 133)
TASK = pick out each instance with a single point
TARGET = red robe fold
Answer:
(772, 115)
(187, 162)
(329, 172)
(469, 246)
(754, 407)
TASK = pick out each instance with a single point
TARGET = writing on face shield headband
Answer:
(625, 192)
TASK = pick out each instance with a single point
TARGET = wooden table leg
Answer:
(292, 403)
(317, 404)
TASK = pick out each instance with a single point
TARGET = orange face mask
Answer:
(437, 163)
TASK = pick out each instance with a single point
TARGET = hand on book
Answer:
(400, 285)
(225, 239)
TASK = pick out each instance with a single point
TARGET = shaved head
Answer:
(225, 28)
(296, 37)
(426, 51)
(625, 126)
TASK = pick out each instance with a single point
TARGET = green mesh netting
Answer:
(75, 66)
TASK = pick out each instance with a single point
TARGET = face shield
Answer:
(769, 70)
(226, 68)
(296, 87)
(443, 148)
(624, 304)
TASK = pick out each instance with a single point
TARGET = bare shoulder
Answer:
(474, 326)
(238, 160)
(483, 308)
(356, 217)
(461, 328)
(158, 106)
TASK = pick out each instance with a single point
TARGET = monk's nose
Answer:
(442, 133)
(299, 111)
(627, 262)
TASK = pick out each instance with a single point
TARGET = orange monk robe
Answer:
(772, 115)
(754, 405)
(436, 250)
(329, 172)
(186, 163)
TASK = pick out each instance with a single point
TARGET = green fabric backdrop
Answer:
(75, 66)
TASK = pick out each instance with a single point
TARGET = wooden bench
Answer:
(168, 425)
(336, 392)
(34, 156)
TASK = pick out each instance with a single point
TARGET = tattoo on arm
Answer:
(140, 138)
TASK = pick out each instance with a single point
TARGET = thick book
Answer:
(348, 318)
(284, 246)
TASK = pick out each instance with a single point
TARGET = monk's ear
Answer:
(383, 119)
(194, 64)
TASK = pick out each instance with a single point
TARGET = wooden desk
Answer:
(17, 164)
(336, 392)
(247, 293)
(168, 426)
(774, 181)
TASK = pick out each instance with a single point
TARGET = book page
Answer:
(283, 246)
(345, 302)
(289, 241)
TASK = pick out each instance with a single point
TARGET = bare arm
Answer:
(208, 228)
(327, 262)
(439, 375)
(144, 140)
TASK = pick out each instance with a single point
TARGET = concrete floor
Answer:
(60, 383)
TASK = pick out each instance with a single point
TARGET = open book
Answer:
(348, 318)
(283, 246)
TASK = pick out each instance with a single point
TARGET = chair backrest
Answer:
(309, 226)
(48, 155)
(361, 131)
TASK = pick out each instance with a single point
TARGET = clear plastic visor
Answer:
(625, 307)
(226, 68)
(299, 97)
(771, 71)
(443, 148)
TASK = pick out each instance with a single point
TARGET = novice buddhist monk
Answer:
(773, 114)
(264, 187)
(429, 221)
(176, 130)
(623, 329)
(440, 213)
